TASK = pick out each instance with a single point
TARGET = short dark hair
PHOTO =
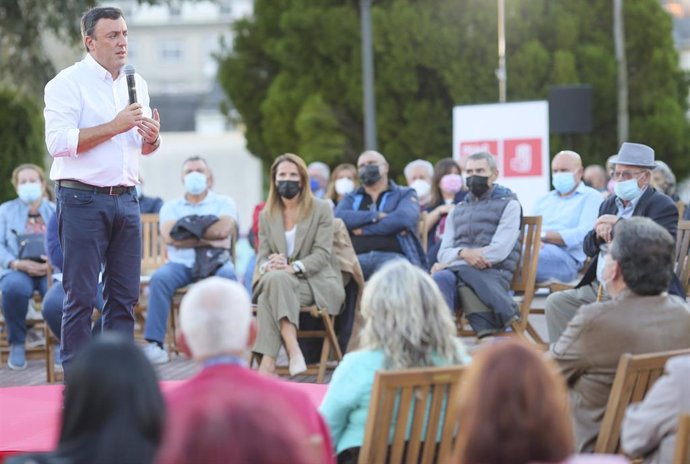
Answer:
(92, 16)
(112, 405)
(646, 254)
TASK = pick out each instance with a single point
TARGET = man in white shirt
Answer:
(95, 136)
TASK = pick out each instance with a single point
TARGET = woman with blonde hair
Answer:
(295, 263)
(513, 408)
(23, 260)
(343, 181)
(407, 324)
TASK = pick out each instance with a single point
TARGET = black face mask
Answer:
(369, 174)
(478, 185)
(288, 188)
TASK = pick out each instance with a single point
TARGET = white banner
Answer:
(517, 134)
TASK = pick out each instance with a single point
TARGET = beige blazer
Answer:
(313, 247)
(649, 427)
(591, 346)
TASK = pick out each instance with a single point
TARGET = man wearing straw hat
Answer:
(634, 196)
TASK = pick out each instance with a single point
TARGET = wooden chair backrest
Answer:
(682, 267)
(411, 404)
(422, 231)
(635, 375)
(153, 254)
(524, 279)
(681, 208)
(682, 452)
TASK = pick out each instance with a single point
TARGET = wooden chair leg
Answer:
(50, 354)
(323, 362)
(535, 335)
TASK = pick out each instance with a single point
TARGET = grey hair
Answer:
(419, 163)
(669, 178)
(645, 252)
(490, 159)
(323, 168)
(91, 18)
(406, 316)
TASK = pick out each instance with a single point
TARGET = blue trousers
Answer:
(17, 287)
(556, 263)
(371, 261)
(97, 231)
(52, 308)
(164, 282)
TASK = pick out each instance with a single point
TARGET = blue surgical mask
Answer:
(30, 192)
(314, 184)
(563, 182)
(195, 183)
(627, 190)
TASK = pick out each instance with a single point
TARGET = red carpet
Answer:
(30, 416)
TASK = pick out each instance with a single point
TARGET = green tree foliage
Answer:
(294, 73)
(21, 132)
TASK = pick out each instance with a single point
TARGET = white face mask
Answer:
(422, 187)
(344, 185)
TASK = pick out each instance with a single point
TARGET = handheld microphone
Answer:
(131, 84)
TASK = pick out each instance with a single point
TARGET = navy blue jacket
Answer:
(402, 218)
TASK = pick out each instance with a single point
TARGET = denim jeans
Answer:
(164, 282)
(556, 263)
(17, 287)
(371, 261)
(97, 231)
(52, 308)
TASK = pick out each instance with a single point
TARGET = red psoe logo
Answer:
(522, 157)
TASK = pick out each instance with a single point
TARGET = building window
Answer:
(170, 50)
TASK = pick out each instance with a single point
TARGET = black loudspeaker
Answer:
(570, 109)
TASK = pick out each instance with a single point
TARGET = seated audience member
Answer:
(650, 427)
(664, 180)
(514, 408)
(319, 173)
(54, 297)
(296, 263)
(147, 205)
(595, 177)
(641, 317)
(634, 197)
(421, 335)
(113, 411)
(197, 229)
(568, 212)
(382, 217)
(418, 175)
(447, 189)
(237, 428)
(23, 268)
(480, 249)
(343, 181)
(216, 330)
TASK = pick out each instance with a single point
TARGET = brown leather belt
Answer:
(114, 190)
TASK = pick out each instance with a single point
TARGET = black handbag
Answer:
(32, 246)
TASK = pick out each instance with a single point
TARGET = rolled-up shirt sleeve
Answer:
(61, 113)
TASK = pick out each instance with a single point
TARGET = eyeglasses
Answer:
(625, 175)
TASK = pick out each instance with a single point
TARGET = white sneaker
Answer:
(156, 354)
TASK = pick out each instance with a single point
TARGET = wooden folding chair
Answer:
(680, 204)
(635, 375)
(682, 451)
(422, 232)
(524, 278)
(682, 265)
(409, 411)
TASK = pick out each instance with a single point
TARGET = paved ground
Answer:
(181, 368)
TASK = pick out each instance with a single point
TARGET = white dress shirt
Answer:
(83, 96)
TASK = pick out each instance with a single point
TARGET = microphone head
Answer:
(128, 70)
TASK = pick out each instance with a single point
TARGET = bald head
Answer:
(566, 162)
(215, 318)
(567, 158)
(595, 176)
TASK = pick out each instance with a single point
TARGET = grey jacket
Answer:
(589, 349)
(649, 427)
